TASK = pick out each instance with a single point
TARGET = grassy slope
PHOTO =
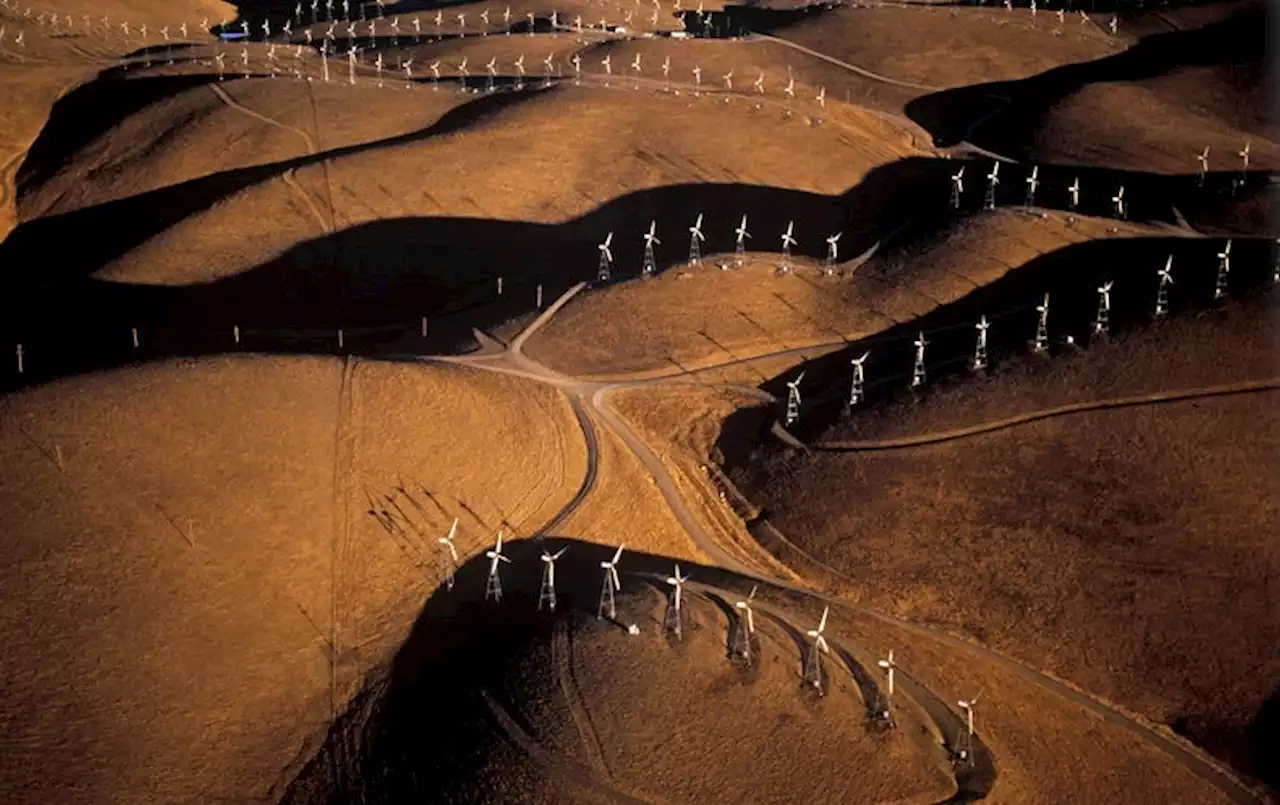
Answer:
(134, 653)
(1099, 546)
(683, 724)
(528, 162)
(709, 316)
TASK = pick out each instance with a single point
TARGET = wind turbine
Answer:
(813, 668)
(1033, 182)
(666, 74)
(1074, 190)
(673, 619)
(1204, 165)
(1103, 322)
(1118, 200)
(611, 585)
(993, 179)
(1042, 327)
(759, 84)
(1162, 290)
(833, 253)
(740, 244)
(519, 63)
(451, 553)
(966, 738)
(889, 667)
(745, 628)
(650, 261)
(635, 66)
(493, 584)
(605, 270)
(917, 371)
(787, 242)
(607, 63)
(492, 69)
(577, 69)
(793, 400)
(695, 240)
(957, 187)
(856, 387)
(1224, 268)
(547, 592)
(980, 349)
(697, 78)
(728, 81)
(549, 63)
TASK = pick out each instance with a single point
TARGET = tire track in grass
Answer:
(562, 656)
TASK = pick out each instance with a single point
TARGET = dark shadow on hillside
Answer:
(89, 111)
(1264, 742)
(1071, 277)
(378, 280)
(110, 229)
(422, 731)
(1003, 116)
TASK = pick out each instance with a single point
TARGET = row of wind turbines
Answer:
(604, 271)
(742, 640)
(1040, 344)
(1119, 204)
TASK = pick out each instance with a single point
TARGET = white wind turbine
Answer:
(980, 349)
(746, 627)
(787, 242)
(666, 73)
(1042, 327)
(813, 667)
(1074, 190)
(966, 738)
(740, 244)
(759, 84)
(833, 253)
(519, 63)
(451, 553)
(611, 585)
(635, 67)
(493, 584)
(1224, 268)
(577, 69)
(889, 667)
(549, 64)
(605, 269)
(993, 179)
(1204, 164)
(1118, 200)
(793, 400)
(957, 187)
(1033, 182)
(492, 69)
(728, 80)
(695, 240)
(547, 592)
(673, 618)
(607, 62)
(856, 394)
(462, 70)
(697, 78)
(1244, 158)
(1103, 321)
(1162, 290)
(650, 260)
(917, 371)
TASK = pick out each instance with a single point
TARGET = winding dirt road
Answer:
(514, 361)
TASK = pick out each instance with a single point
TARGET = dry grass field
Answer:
(224, 580)
(1099, 545)
(176, 581)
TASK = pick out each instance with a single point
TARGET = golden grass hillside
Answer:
(692, 319)
(1100, 546)
(550, 158)
(170, 593)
